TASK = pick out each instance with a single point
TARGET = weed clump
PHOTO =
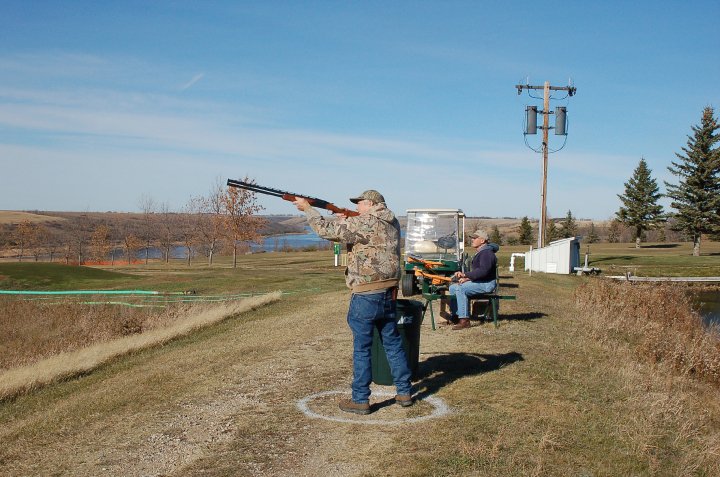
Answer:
(660, 321)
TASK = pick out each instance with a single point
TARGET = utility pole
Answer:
(560, 129)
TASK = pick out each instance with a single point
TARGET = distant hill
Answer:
(63, 224)
(64, 221)
(15, 217)
(277, 224)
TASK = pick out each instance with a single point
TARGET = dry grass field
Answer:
(15, 217)
(539, 395)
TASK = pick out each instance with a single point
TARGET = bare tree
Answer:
(116, 232)
(211, 222)
(148, 229)
(241, 223)
(4, 236)
(188, 226)
(52, 243)
(167, 226)
(100, 244)
(40, 240)
(23, 236)
(79, 232)
(132, 244)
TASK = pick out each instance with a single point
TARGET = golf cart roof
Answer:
(437, 211)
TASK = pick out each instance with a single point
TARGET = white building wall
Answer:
(560, 256)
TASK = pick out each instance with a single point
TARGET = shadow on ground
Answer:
(533, 315)
(530, 316)
(440, 370)
(624, 258)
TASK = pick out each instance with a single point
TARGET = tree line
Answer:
(695, 197)
(226, 219)
(614, 231)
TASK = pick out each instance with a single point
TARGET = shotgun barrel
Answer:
(291, 196)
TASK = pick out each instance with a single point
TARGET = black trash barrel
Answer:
(409, 317)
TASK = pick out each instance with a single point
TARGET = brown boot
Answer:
(405, 400)
(348, 405)
(462, 324)
(451, 320)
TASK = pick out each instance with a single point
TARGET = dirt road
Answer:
(227, 402)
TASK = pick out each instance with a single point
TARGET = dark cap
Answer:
(372, 195)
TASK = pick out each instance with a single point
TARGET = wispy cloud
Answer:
(194, 80)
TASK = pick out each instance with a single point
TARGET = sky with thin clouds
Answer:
(105, 104)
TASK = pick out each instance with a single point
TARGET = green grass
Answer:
(308, 272)
(296, 272)
(54, 276)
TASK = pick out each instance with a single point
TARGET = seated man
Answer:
(480, 279)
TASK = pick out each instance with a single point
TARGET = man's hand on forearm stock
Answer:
(301, 204)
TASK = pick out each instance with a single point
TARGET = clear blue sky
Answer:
(103, 103)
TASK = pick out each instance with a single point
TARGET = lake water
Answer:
(710, 307)
(272, 243)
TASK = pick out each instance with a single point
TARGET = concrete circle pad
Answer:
(439, 408)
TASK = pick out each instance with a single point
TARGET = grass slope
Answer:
(55, 276)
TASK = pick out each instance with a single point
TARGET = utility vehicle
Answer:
(434, 246)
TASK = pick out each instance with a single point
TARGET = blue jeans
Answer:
(463, 291)
(367, 312)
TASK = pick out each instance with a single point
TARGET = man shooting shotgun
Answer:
(372, 274)
(372, 234)
(292, 197)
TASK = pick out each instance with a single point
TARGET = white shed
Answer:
(560, 256)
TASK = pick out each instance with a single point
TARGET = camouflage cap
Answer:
(480, 233)
(372, 195)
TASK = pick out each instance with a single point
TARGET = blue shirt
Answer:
(483, 265)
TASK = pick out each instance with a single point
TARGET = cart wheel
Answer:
(408, 284)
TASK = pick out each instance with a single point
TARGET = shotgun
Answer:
(291, 196)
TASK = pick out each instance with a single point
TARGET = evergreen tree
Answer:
(569, 226)
(661, 235)
(526, 232)
(551, 233)
(592, 236)
(495, 236)
(697, 195)
(640, 209)
(615, 231)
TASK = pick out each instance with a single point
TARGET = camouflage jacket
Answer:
(374, 261)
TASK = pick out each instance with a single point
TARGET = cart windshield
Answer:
(435, 234)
